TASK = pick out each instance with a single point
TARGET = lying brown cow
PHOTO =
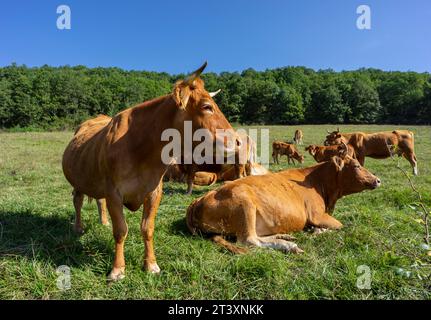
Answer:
(378, 145)
(298, 137)
(119, 159)
(235, 171)
(262, 210)
(287, 149)
(201, 178)
(325, 153)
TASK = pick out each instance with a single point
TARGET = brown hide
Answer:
(378, 145)
(119, 159)
(257, 207)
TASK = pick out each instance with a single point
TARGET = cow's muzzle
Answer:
(375, 184)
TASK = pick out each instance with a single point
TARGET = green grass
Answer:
(36, 215)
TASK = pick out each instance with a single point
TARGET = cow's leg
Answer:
(317, 230)
(101, 207)
(78, 199)
(247, 235)
(411, 157)
(190, 178)
(278, 244)
(325, 221)
(361, 158)
(119, 230)
(275, 157)
(151, 204)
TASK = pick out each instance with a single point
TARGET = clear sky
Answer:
(177, 36)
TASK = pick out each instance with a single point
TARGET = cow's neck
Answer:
(327, 181)
(148, 120)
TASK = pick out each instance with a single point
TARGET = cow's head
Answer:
(312, 149)
(333, 138)
(352, 177)
(298, 156)
(195, 104)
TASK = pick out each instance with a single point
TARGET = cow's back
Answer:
(82, 159)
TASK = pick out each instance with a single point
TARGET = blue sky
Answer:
(177, 36)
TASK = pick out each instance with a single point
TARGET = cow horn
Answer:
(338, 129)
(189, 80)
(328, 131)
(213, 94)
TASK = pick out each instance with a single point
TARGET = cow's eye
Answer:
(357, 166)
(207, 108)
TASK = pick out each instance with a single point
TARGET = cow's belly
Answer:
(281, 217)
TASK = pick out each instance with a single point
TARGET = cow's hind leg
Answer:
(78, 199)
(411, 157)
(151, 204)
(249, 236)
(101, 207)
(119, 229)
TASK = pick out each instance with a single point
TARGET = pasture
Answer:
(381, 231)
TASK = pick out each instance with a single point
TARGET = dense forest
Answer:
(61, 97)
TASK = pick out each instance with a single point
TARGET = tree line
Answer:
(62, 97)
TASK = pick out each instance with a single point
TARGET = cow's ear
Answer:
(338, 162)
(181, 94)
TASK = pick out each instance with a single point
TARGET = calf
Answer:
(261, 210)
(379, 145)
(298, 137)
(287, 149)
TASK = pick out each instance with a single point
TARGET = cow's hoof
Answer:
(152, 268)
(78, 229)
(116, 274)
(297, 250)
(320, 230)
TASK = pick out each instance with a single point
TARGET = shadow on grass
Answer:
(50, 238)
(179, 227)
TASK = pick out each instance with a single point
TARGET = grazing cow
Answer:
(262, 210)
(230, 171)
(287, 149)
(298, 137)
(325, 153)
(378, 145)
(119, 159)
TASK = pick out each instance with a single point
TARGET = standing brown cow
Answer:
(379, 145)
(298, 137)
(287, 149)
(119, 159)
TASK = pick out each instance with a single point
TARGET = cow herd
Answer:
(117, 161)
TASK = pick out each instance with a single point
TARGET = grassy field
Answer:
(380, 231)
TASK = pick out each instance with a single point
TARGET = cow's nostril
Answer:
(238, 142)
(378, 181)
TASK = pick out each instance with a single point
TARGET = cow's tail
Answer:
(228, 245)
(193, 228)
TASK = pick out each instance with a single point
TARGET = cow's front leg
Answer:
(190, 178)
(119, 229)
(325, 221)
(151, 204)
